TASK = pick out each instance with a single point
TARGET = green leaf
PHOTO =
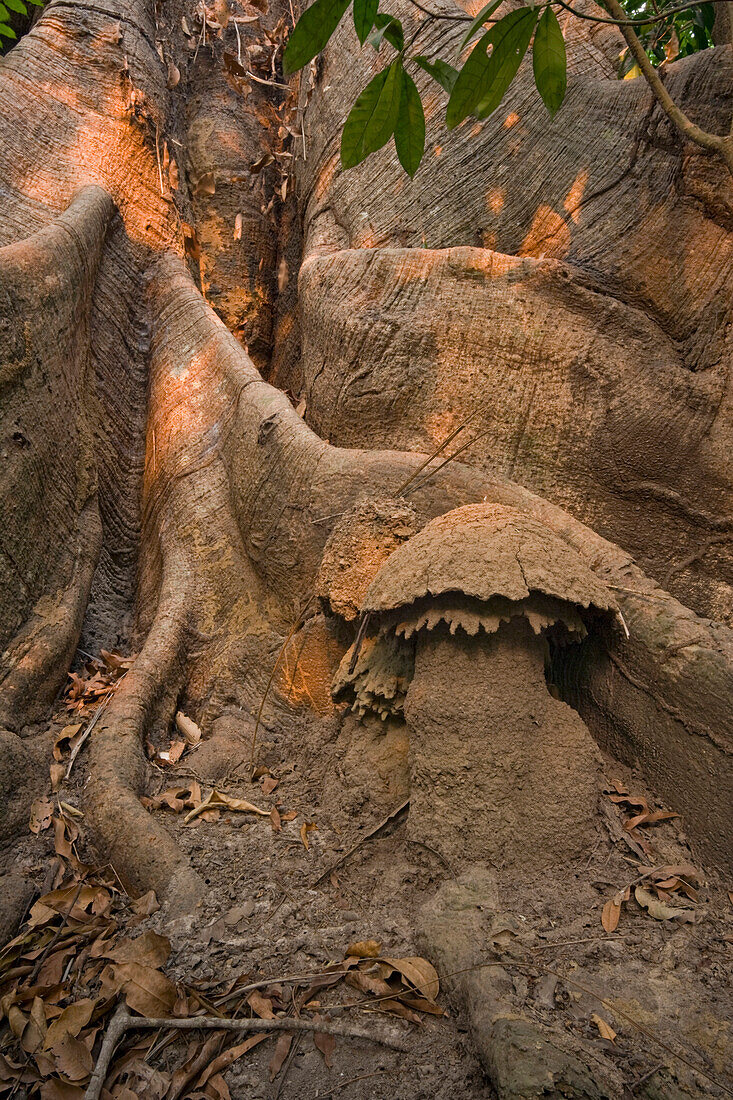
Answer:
(441, 71)
(510, 45)
(4, 13)
(6, 31)
(16, 5)
(387, 27)
(486, 12)
(549, 61)
(312, 32)
(37, 3)
(409, 134)
(373, 117)
(483, 80)
(364, 15)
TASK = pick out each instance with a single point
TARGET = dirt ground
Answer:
(273, 910)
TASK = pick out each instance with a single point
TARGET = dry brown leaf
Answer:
(63, 741)
(260, 1005)
(55, 1089)
(41, 815)
(146, 905)
(610, 915)
(174, 75)
(34, 1031)
(150, 949)
(605, 1029)
(306, 828)
(418, 973)
(659, 910)
(364, 949)
(72, 1020)
(218, 801)
(326, 1044)
(56, 773)
(73, 1059)
(282, 1048)
(268, 784)
(229, 1056)
(147, 991)
(275, 820)
(398, 1009)
(190, 732)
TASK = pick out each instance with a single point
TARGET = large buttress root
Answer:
(51, 533)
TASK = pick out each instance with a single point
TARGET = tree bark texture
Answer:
(183, 263)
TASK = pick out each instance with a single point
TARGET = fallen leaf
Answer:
(260, 1005)
(326, 1044)
(229, 1056)
(57, 773)
(217, 801)
(174, 75)
(364, 949)
(268, 784)
(73, 1058)
(72, 1020)
(610, 915)
(282, 1048)
(659, 910)
(150, 949)
(62, 744)
(605, 1029)
(418, 973)
(41, 815)
(275, 820)
(187, 727)
(146, 905)
(147, 991)
(398, 1009)
(306, 828)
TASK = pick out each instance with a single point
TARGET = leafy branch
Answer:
(390, 104)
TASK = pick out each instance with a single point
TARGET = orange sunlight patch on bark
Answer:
(495, 199)
(511, 120)
(575, 194)
(307, 668)
(548, 235)
(325, 177)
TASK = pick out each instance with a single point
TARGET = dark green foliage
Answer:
(549, 62)
(409, 135)
(390, 103)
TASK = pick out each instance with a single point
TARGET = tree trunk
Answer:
(215, 342)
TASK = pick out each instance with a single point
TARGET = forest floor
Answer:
(287, 895)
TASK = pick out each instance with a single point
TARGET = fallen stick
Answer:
(123, 1021)
(357, 846)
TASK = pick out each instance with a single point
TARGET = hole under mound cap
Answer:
(484, 551)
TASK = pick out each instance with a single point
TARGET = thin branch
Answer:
(623, 22)
(123, 1021)
(712, 142)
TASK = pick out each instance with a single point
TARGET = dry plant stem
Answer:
(78, 746)
(436, 452)
(123, 1021)
(296, 626)
(712, 142)
(359, 843)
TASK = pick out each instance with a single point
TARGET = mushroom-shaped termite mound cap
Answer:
(485, 551)
(472, 569)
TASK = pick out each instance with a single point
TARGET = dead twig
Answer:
(79, 744)
(359, 843)
(358, 640)
(436, 452)
(431, 473)
(123, 1021)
